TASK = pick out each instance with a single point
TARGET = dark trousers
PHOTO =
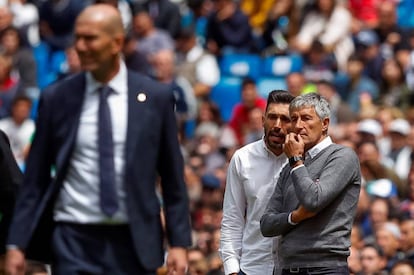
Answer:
(94, 249)
(339, 270)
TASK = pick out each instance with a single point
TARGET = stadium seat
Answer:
(226, 94)
(267, 84)
(281, 66)
(240, 65)
(49, 64)
(274, 70)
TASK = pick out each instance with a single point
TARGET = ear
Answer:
(263, 119)
(325, 124)
(118, 43)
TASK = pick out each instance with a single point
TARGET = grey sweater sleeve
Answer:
(274, 221)
(336, 172)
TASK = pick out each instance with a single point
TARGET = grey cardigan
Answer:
(328, 184)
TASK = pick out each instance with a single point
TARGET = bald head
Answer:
(107, 15)
(99, 40)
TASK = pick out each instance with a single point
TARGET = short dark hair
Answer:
(279, 96)
(247, 81)
(376, 247)
(403, 262)
(21, 97)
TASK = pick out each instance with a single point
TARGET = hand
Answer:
(15, 262)
(226, 12)
(177, 262)
(294, 145)
(301, 214)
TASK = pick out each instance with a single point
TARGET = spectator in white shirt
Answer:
(196, 64)
(19, 128)
(251, 178)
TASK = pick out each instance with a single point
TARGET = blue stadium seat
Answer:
(49, 64)
(280, 66)
(274, 70)
(41, 55)
(240, 65)
(58, 62)
(226, 94)
(267, 84)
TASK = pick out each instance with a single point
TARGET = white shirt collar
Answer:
(312, 152)
(118, 81)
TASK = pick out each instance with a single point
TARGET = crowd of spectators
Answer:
(357, 54)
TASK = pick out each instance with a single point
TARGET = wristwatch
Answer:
(294, 159)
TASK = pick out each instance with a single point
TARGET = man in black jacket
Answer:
(10, 178)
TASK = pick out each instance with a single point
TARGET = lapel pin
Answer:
(141, 97)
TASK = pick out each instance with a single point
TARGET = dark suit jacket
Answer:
(151, 149)
(10, 178)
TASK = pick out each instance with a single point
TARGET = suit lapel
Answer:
(73, 98)
(137, 104)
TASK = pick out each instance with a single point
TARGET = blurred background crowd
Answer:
(222, 58)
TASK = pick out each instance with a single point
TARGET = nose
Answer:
(298, 124)
(277, 123)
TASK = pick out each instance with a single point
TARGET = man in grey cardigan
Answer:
(314, 202)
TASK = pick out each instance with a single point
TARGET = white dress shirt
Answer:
(251, 179)
(20, 137)
(78, 201)
(207, 69)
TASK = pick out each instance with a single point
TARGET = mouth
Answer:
(276, 137)
(302, 134)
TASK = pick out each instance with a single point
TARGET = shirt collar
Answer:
(312, 152)
(118, 81)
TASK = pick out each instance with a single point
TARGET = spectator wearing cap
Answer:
(400, 152)
(212, 195)
(388, 237)
(369, 130)
(210, 181)
(368, 47)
